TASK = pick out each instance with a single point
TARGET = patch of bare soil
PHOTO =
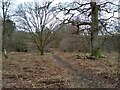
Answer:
(105, 70)
(30, 70)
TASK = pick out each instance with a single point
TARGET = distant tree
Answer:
(67, 40)
(39, 20)
(19, 42)
(5, 7)
(8, 33)
(9, 27)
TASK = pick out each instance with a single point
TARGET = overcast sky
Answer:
(55, 1)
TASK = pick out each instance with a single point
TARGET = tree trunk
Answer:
(42, 52)
(41, 41)
(1, 37)
(94, 31)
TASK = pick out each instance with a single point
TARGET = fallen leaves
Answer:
(32, 70)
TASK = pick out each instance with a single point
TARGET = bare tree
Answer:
(5, 6)
(39, 20)
(92, 16)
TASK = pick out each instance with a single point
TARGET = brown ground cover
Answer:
(104, 69)
(30, 70)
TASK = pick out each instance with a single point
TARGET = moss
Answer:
(97, 53)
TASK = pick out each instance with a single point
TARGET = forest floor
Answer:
(59, 70)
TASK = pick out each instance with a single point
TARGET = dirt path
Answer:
(81, 79)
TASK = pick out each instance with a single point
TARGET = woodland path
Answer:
(80, 78)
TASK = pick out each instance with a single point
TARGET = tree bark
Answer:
(94, 31)
(42, 52)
